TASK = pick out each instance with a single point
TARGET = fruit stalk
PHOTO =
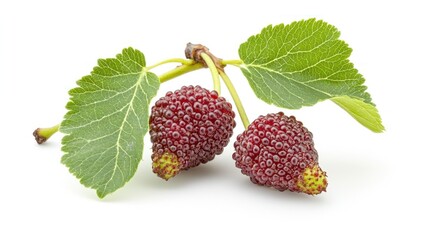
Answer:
(236, 98)
(215, 75)
(201, 54)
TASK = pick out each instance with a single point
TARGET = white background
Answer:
(377, 182)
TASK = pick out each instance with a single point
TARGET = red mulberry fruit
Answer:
(278, 151)
(187, 127)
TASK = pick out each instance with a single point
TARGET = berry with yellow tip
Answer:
(188, 127)
(278, 151)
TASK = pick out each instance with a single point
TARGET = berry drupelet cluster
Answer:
(188, 127)
(278, 151)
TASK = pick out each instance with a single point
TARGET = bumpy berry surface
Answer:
(278, 151)
(191, 124)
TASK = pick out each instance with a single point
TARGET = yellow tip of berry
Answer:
(166, 165)
(312, 181)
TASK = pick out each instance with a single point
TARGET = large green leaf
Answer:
(107, 120)
(302, 63)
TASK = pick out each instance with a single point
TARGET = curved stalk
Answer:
(215, 75)
(179, 71)
(236, 99)
(172, 60)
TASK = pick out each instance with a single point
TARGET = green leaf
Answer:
(364, 113)
(107, 120)
(303, 63)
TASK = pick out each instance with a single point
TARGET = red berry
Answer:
(278, 151)
(187, 127)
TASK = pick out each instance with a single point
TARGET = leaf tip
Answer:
(379, 128)
(101, 194)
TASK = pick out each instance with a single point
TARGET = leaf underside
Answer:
(107, 118)
(303, 63)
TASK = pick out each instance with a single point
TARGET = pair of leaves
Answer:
(290, 66)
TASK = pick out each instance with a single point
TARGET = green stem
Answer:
(236, 99)
(235, 62)
(179, 71)
(172, 60)
(215, 75)
(43, 134)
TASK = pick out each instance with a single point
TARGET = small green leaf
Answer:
(107, 120)
(303, 63)
(366, 114)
